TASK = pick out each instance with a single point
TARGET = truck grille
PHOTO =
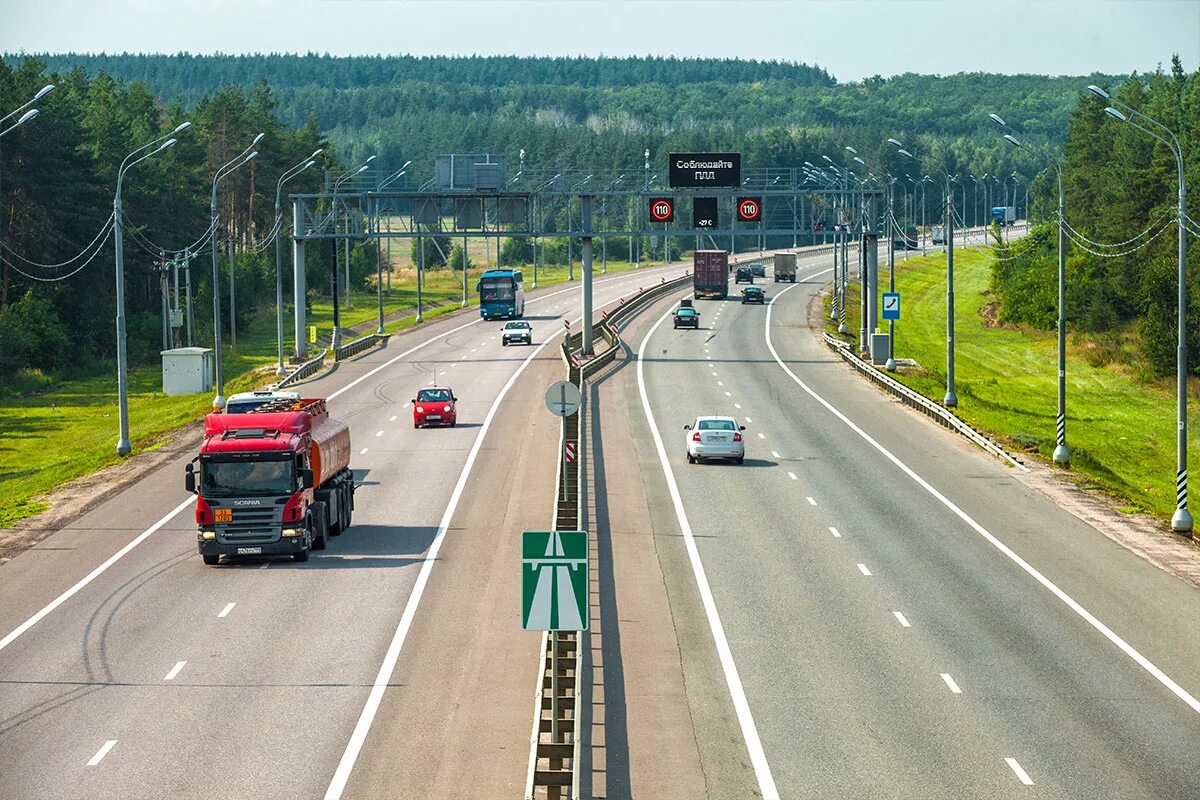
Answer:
(251, 525)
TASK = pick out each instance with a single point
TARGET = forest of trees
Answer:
(1122, 253)
(57, 173)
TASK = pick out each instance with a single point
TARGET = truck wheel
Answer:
(320, 526)
(212, 561)
(335, 522)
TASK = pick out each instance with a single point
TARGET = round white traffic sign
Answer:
(563, 398)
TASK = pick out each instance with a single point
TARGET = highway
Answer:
(391, 664)
(872, 607)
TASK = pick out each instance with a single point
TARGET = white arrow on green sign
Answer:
(554, 580)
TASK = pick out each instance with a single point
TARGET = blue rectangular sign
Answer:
(891, 306)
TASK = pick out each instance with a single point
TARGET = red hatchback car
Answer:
(434, 405)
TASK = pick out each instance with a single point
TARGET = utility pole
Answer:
(951, 399)
(586, 226)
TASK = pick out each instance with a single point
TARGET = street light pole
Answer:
(124, 446)
(225, 169)
(1181, 520)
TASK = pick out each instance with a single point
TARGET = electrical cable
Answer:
(104, 230)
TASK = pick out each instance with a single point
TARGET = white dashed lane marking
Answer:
(362, 452)
(225, 611)
(863, 569)
(950, 682)
(835, 533)
(102, 752)
(170, 676)
(811, 501)
(776, 455)
(1021, 774)
(901, 619)
(792, 475)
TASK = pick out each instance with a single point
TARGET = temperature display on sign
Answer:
(662, 209)
(704, 212)
(749, 209)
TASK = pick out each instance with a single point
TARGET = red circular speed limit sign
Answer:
(662, 209)
(749, 209)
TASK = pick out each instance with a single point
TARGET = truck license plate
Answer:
(249, 551)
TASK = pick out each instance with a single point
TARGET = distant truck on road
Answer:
(1004, 215)
(710, 273)
(785, 267)
(274, 481)
(937, 234)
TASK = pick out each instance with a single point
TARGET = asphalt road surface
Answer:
(889, 611)
(390, 665)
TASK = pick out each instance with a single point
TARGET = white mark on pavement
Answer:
(225, 611)
(455, 364)
(776, 455)
(835, 533)
(1021, 774)
(863, 569)
(1029, 569)
(406, 405)
(393, 419)
(170, 676)
(811, 501)
(761, 435)
(738, 406)
(102, 752)
(950, 682)
(377, 435)
(362, 452)
(792, 475)
(901, 619)
(737, 693)
(748, 420)
(720, 383)
(728, 394)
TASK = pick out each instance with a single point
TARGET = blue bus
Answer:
(501, 294)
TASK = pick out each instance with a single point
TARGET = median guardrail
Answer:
(350, 349)
(919, 401)
(310, 367)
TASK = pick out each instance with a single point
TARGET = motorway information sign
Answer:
(704, 212)
(563, 398)
(554, 580)
(705, 170)
(891, 306)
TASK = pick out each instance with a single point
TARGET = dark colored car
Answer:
(687, 318)
(516, 332)
(758, 270)
(743, 275)
(754, 294)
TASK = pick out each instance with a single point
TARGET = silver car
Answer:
(715, 437)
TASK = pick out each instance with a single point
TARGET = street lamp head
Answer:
(309, 164)
(1096, 90)
(368, 161)
(253, 155)
(406, 163)
(167, 144)
(996, 119)
(183, 126)
(1112, 112)
(851, 150)
(895, 142)
(362, 168)
(904, 152)
(1008, 137)
(317, 152)
(28, 115)
(827, 158)
(808, 163)
(45, 90)
(257, 139)
(522, 154)
(859, 160)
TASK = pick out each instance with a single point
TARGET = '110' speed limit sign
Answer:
(662, 209)
(749, 209)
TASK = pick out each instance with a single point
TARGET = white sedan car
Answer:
(715, 437)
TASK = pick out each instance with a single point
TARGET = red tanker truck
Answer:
(274, 481)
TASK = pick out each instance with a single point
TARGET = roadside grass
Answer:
(70, 429)
(1120, 430)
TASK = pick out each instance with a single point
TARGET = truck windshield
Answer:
(496, 290)
(246, 478)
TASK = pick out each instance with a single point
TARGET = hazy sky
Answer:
(851, 39)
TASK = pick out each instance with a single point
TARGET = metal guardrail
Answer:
(342, 352)
(310, 367)
(920, 402)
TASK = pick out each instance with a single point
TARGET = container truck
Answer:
(273, 481)
(1005, 215)
(785, 267)
(710, 273)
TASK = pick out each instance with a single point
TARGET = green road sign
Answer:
(554, 580)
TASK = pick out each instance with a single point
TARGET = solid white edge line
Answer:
(341, 776)
(225, 611)
(115, 557)
(1029, 569)
(102, 752)
(170, 676)
(903, 620)
(91, 576)
(1021, 774)
(758, 758)
(951, 683)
